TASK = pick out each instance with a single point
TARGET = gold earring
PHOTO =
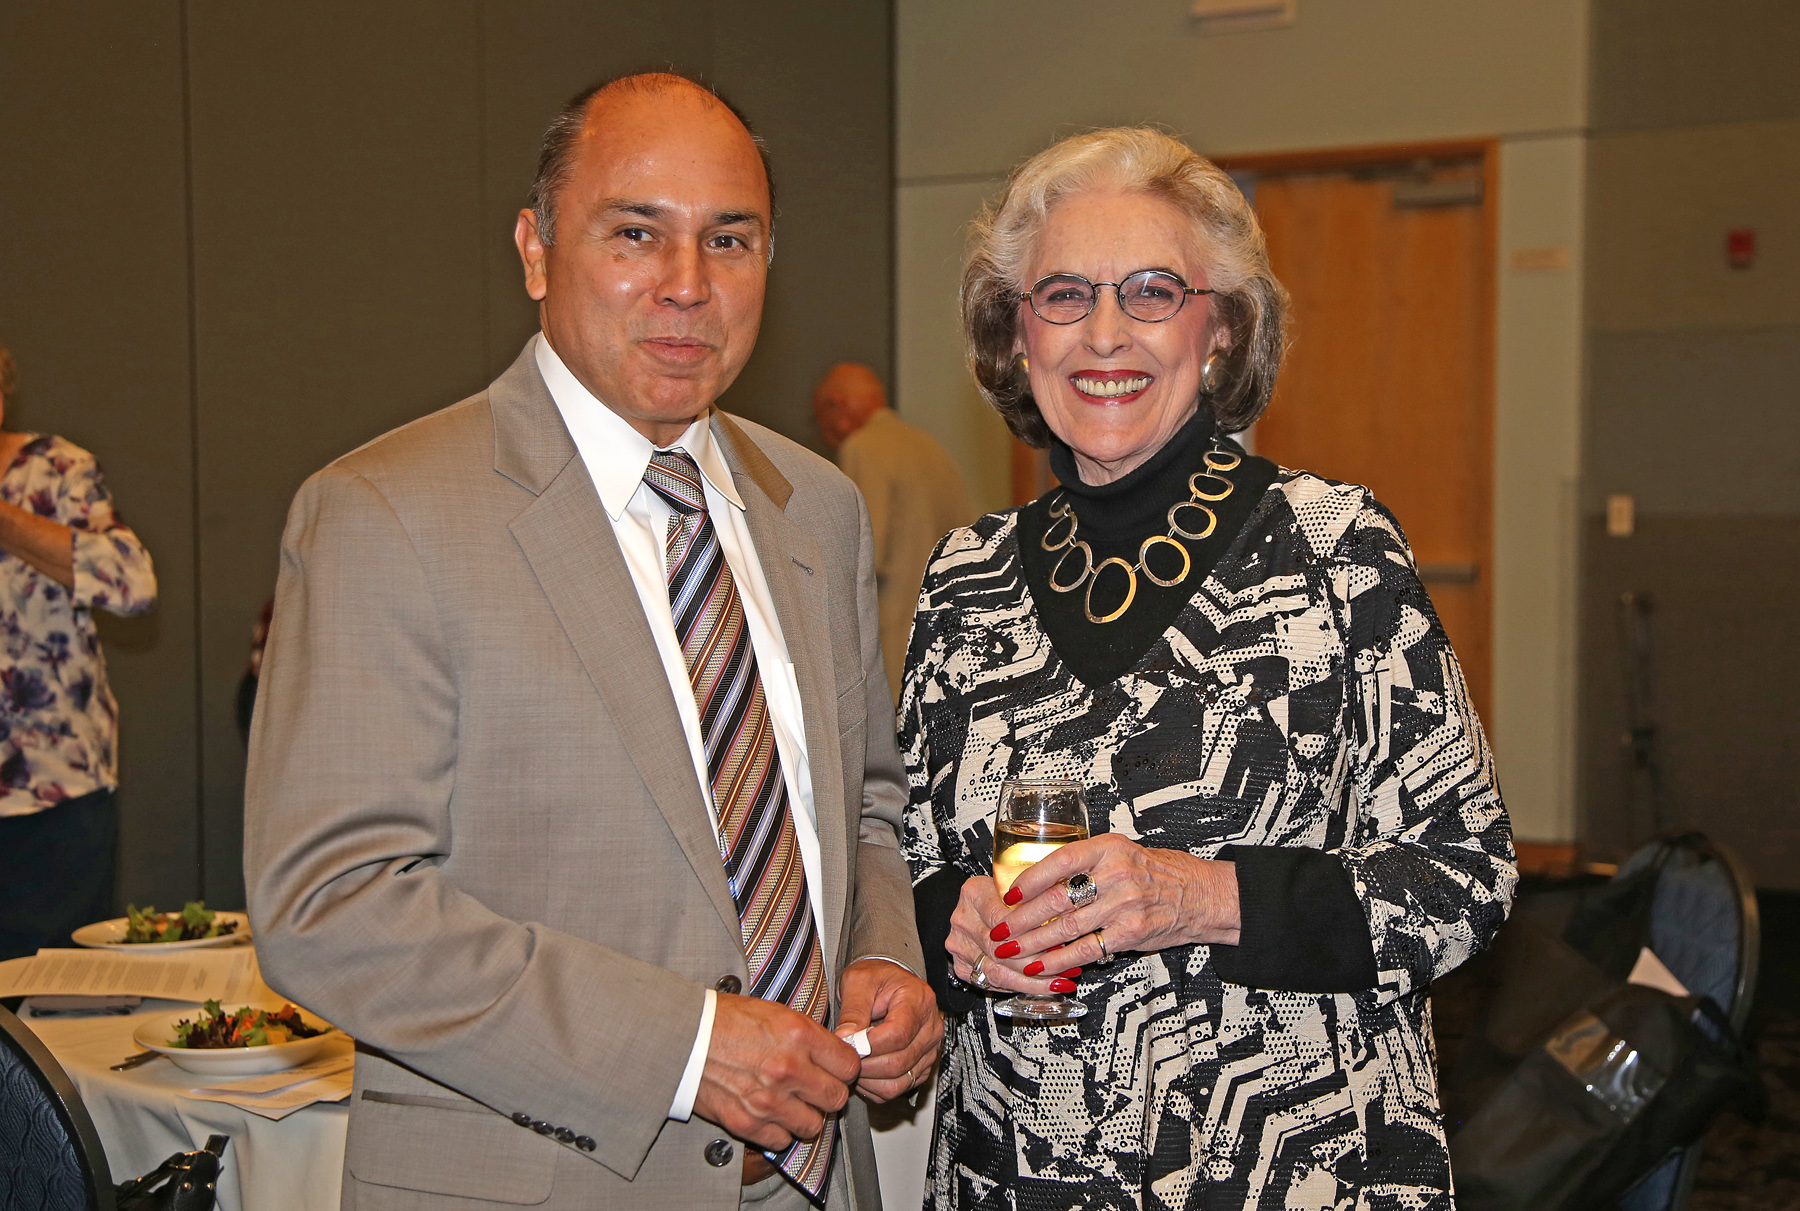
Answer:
(1025, 362)
(1212, 372)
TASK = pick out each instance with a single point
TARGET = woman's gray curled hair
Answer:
(1131, 158)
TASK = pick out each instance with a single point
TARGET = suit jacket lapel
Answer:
(568, 540)
(793, 567)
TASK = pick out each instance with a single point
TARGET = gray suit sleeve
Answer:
(352, 764)
(882, 913)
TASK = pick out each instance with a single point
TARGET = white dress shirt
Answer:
(616, 456)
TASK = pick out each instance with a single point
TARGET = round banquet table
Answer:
(295, 1164)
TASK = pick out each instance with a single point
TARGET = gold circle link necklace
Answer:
(1218, 461)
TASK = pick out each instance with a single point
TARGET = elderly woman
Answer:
(1294, 821)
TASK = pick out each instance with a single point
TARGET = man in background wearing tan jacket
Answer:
(573, 793)
(915, 493)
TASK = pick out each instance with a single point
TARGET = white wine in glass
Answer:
(1036, 817)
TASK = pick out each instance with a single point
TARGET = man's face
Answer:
(652, 293)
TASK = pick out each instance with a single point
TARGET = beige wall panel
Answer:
(1726, 662)
(986, 82)
(1537, 461)
(936, 391)
(1661, 203)
(1662, 63)
(1658, 402)
(93, 303)
(815, 80)
(535, 55)
(337, 218)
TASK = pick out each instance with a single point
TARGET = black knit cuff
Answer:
(934, 900)
(1302, 926)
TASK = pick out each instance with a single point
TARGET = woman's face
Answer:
(1104, 236)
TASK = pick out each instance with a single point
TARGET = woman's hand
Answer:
(1149, 899)
(978, 910)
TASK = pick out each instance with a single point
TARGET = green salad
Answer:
(193, 922)
(245, 1027)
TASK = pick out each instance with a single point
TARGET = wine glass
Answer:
(1035, 817)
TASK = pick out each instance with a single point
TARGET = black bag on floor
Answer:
(1617, 1086)
(186, 1181)
(1575, 1084)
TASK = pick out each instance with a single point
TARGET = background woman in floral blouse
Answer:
(64, 553)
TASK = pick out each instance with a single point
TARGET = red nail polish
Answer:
(1034, 968)
(1000, 932)
(1059, 946)
(1061, 985)
(1013, 896)
(1072, 973)
(1007, 951)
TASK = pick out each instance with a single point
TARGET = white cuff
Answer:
(906, 967)
(682, 1108)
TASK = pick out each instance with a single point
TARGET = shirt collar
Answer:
(616, 455)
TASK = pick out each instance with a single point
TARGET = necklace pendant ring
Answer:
(1068, 538)
(1087, 604)
(1087, 555)
(1212, 520)
(1187, 561)
(1194, 485)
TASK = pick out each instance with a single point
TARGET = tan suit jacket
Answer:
(915, 496)
(475, 839)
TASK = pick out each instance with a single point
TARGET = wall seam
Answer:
(193, 358)
(481, 190)
(893, 198)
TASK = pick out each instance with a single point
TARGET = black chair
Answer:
(50, 1155)
(1705, 928)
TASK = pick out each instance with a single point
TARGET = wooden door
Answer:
(1388, 379)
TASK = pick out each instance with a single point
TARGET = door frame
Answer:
(1486, 152)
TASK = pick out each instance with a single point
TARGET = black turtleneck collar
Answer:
(1129, 507)
(1114, 519)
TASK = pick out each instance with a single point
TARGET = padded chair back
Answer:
(50, 1155)
(1705, 928)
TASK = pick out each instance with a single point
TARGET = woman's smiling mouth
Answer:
(1111, 384)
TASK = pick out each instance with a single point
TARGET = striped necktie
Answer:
(756, 827)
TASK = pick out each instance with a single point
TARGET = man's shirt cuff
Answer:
(682, 1109)
(885, 959)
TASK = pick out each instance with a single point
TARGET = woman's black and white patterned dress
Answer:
(1305, 696)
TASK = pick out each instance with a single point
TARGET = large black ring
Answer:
(1083, 891)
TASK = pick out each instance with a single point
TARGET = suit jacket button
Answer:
(543, 1128)
(585, 1143)
(719, 1153)
(564, 1136)
(730, 984)
(521, 1118)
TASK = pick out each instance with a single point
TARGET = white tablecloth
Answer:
(297, 1164)
(293, 1165)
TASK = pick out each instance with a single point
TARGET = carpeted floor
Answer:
(1747, 1167)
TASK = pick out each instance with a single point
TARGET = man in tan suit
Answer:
(915, 493)
(574, 735)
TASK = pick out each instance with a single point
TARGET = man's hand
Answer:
(905, 1027)
(771, 1074)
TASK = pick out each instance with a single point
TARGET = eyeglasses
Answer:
(1150, 295)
